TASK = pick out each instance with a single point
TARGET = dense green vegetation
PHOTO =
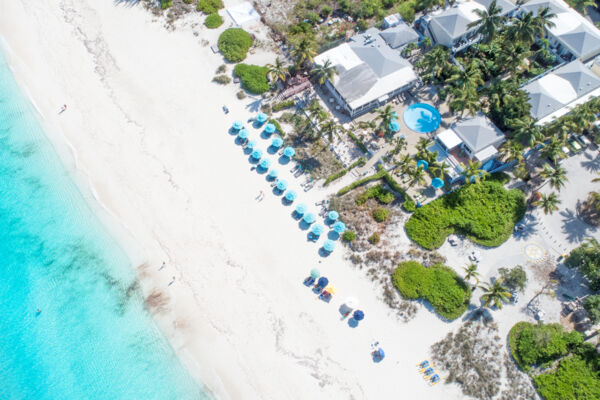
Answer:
(381, 214)
(485, 212)
(577, 374)
(514, 278)
(254, 77)
(209, 6)
(234, 44)
(213, 21)
(360, 162)
(439, 285)
(586, 258)
(348, 236)
(283, 104)
(358, 142)
(378, 192)
(592, 307)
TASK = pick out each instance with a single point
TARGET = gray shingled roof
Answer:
(354, 82)
(399, 35)
(478, 132)
(452, 23)
(582, 42)
(535, 5)
(380, 61)
(542, 100)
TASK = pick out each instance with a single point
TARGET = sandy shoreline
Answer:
(151, 144)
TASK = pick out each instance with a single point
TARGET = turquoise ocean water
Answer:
(93, 339)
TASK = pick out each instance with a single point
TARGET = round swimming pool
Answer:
(422, 117)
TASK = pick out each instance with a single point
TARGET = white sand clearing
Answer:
(145, 123)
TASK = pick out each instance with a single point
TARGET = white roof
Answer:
(486, 153)
(449, 139)
(243, 13)
(342, 56)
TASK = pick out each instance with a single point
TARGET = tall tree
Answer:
(544, 20)
(511, 151)
(439, 169)
(322, 72)
(557, 177)
(495, 294)
(435, 64)
(553, 149)
(386, 116)
(416, 175)
(471, 272)
(489, 21)
(582, 5)
(523, 29)
(472, 172)
(329, 128)
(525, 130)
(464, 100)
(277, 72)
(303, 51)
(548, 203)
(467, 78)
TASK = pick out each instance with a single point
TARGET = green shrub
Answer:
(284, 104)
(188, 1)
(361, 161)
(254, 77)
(361, 182)
(358, 142)
(381, 214)
(277, 127)
(407, 10)
(409, 205)
(541, 343)
(222, 69)
(447, 293)
(348, 236)
(241, 95)
(378, 192)
(209, 6)
(213, 21)
(222, 79)
(374, 238)
(326, 11)
(485, 212)
(592, 306)
(574, 379)
(234, 44)
(164, 4)
(586, 258)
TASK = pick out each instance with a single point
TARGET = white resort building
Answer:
(557, 92)
(371, 70)
(474, 138)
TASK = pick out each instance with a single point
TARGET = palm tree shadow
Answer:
(574, 229)
(126, 3)
(478, 314)
(254, 106)
(592, 163)
(529, 229)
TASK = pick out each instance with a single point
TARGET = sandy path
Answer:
(148, 131)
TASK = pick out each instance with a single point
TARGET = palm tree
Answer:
(303, 51)
(471, 273)
(277, 72)
(321, 73)
(523, 29)
(543, 20)
(439, 169)
(426, 43)
(526, 130)
(495, 294)
(329, 128)
(399, 145)
(467, 78)
(512, 151)
(403, 162)
(416, 175)
(473, 172)
(464, 100)
(422, 144)
(557, 176)
(435, 63)
(316, 112)
(513, 55)
(489, 21)
(426, 5)
(582, 5)
(548, 202)
(553, 149)
(386, 116)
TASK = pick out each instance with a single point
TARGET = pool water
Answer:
(422, 118)
(93, 338)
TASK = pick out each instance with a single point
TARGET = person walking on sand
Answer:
(172, 282)
(63, 109)
(164, 264)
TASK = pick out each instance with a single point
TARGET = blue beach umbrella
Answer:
(394, 126)
(289, 152)
(277, 142)
(339, 227)
(379, 353)
(315, 273)
(261, 117)
(317, 230)
(322, 282)
(437, 183)
(309, 218)
(257, 154)
(290, 195)
(273, 174)
(358, 315)
(237, 125)
(243, 134)
(329, 245)
(333, 215)
(270, 128)
(301, 209)
(251, 144)
(282, 184)
(423, 164)
(265, 163)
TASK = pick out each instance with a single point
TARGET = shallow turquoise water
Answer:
(93, 338)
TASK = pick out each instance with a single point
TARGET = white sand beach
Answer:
(145, 124)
